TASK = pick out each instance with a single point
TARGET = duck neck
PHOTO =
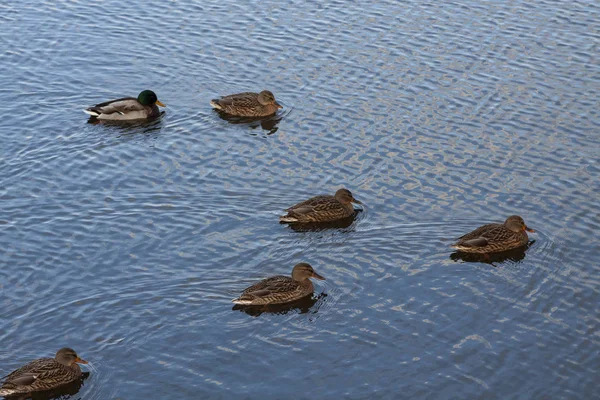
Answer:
(306, 283)
(75, 367)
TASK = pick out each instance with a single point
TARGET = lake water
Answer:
(127, 243)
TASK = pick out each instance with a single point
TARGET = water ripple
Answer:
(127, 242)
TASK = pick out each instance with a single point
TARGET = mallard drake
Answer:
(247, 104)
(280, 289)
(494, 238)
(322, 208)
(128, 108)
(43, 374)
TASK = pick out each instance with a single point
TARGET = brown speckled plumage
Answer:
(247, 104)
(322, 208)
(494, 238)
(43, 374)
(280, 289)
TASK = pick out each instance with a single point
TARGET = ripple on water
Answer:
(128, 242)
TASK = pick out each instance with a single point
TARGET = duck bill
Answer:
(357, 201)
(528, 229)
(80, 361)
(160, 103)
(278, 105)
(317, 276)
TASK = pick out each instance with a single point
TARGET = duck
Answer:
(323, 208)
(495, 238)
(43, 374)
(247, 104)
(280, 289)
(128, 108)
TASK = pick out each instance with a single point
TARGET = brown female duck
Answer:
(322, 208)
(43, 374)
(494, 238)
(280, 289)
(247, 104)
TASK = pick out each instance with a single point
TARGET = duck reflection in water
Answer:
(132, 130)
(515, 255)
(303, 306)
(269, 124)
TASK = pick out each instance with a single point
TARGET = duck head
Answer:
(304, 271)
(267, 98)
(67, 356)
(344, 196)
(148, 98)
(516, 224)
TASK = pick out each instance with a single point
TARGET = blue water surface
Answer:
(127, 242)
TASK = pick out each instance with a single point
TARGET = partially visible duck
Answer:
(323, 208)
(127, 108)
(43, 374)
(247, 104)
(280, 289)
(494, 238)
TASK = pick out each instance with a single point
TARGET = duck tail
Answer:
(240, 301)
(215, 104)
(287, 218)
(91, 112)
(7, 392)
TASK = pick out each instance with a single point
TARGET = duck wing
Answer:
(265, 291)
(121, 106)
(317, 203)
(24, 379)
(41, 374)
(31, 367)
(245, 99)
(275, 284)
(484, 236)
